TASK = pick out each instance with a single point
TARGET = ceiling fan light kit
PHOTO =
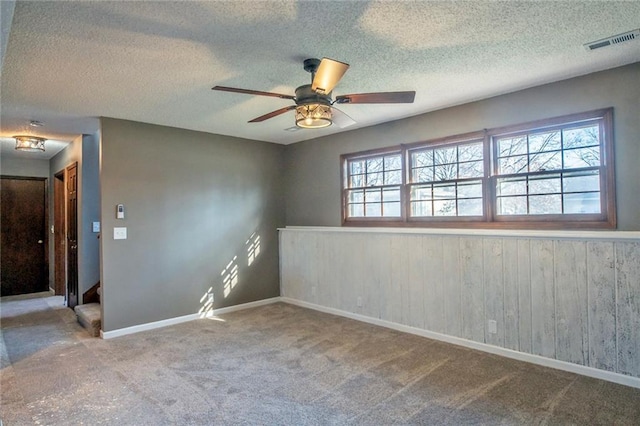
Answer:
(313, 103)
(313, 116)
(29, 143)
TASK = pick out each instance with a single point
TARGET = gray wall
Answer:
(313, 167)
(14, 166)
(192, 201)
(89, 268)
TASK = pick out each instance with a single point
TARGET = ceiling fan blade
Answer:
(377, 98)
(272, 114)
(341, 119)
(328, 75)
(252, 92)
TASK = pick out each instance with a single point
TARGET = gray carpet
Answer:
(277, 365)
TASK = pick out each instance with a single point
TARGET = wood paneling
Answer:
(510, 280)
(378, 267)
(434, 314)
(568, 299)
(452, 285)
(471, 270)
(493, 286)
(543, 312)
(570, 274)
(398, 299)
(525, 316)
(601, 305)
(628, 305)
(415, 289)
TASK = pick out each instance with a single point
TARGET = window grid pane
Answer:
(447, 180)
(457, 161)
(374, 186)
(564, 193)
(447, 199)
(570, 148)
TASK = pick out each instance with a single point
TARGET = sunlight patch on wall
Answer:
(206, 302)
(253, 248)
(229, 276)
(206, 309)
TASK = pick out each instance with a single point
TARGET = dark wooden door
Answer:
(72, 235)
(23, 263)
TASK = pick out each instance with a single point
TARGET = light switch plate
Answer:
(119, 233)
(96, 226)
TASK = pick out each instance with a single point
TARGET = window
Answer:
(446, 181)
(554, 173)
(373, 186)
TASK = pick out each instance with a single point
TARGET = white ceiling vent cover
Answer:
(616, 39)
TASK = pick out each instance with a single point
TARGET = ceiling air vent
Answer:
(616, 39)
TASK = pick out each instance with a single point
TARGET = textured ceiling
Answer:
(67, 63)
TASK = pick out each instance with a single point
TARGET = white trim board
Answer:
(512, 233)
(177, 320)
(609, 376)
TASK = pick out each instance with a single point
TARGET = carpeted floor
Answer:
(276, 365)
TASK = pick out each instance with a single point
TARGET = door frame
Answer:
(60, 232)
(46, 218)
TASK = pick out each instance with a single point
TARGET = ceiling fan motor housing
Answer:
(305, 96)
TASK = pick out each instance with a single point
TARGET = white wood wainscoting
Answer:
(568, 296)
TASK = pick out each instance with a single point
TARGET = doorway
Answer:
(23, 239)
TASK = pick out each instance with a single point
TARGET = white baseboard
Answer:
(248, 305)
(177, 320)
(508, 353)
(147, 326)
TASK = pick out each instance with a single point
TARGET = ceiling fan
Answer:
(313, 102)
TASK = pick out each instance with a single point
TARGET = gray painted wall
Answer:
(14, 166)
(192, 201)
(313, 167)
(89, 268)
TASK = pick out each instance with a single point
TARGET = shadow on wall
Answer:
(230, 276)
